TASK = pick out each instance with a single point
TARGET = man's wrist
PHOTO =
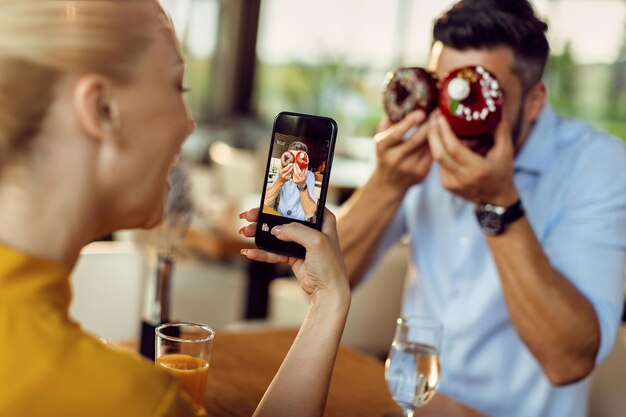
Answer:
(301, 187)
(504, 199)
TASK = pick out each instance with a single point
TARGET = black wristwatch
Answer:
(302, 187)
(494, 220)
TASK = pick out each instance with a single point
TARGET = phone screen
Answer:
(296, 177)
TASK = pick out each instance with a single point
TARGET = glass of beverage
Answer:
(184, 350)
(412, 367)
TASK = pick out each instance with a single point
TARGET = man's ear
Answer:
(535, 100)
(434, 55)
(97, 112)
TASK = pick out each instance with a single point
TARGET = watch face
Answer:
(490, 222)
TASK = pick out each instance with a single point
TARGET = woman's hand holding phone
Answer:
(322, 272)
(304, 377)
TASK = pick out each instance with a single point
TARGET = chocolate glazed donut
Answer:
(409, 89)
(286, 159)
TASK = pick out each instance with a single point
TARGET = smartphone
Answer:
(296, 178)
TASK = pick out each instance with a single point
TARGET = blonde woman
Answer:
(92, 117)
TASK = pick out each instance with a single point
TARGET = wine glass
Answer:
(412, 368)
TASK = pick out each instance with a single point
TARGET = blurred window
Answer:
(330, 57)
(587, 72)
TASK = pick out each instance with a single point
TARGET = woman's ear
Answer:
(96, 110)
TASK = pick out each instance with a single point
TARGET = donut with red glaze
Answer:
(302, 160)
(471, 100)
(286, 159)
(409, 89)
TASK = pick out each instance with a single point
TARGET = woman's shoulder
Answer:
(119, 376)
(82, 375)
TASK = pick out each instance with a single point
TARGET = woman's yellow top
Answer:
(50, 367)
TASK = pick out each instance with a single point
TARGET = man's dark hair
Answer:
(298, 146)
(486, 24)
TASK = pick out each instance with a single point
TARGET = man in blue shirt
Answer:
(520, 252)
(295, 188)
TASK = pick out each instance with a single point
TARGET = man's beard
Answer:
(516, 131)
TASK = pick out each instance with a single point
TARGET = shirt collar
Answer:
(28, 277)
(538, 151)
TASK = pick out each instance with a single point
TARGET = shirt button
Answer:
(463, 240)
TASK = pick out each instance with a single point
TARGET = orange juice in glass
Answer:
(184, 350)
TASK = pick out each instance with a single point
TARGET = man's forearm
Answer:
(362, 222)
(272, 192)
(308, 204)
(557, 322)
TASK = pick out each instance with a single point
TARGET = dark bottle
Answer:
(160, 304)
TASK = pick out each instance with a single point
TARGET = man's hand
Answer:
(285, 173)
(479, 179)
(299, 175)
(402, 163)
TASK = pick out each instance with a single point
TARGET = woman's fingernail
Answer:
(244, 251)
(276, 230)
(242, 215)
(241, 230)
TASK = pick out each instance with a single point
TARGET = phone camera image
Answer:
(296, 178)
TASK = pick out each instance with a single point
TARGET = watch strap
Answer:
(302, 187)
(494, 220)
(513, 212)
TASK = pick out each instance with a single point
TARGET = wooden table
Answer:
(244, 363)
(267, 209)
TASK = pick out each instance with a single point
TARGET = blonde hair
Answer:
(41, 40)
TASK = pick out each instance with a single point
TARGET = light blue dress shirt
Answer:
(572, 182)
(289, 204)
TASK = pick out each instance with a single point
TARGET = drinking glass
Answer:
(184, 350)
(412, 367)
